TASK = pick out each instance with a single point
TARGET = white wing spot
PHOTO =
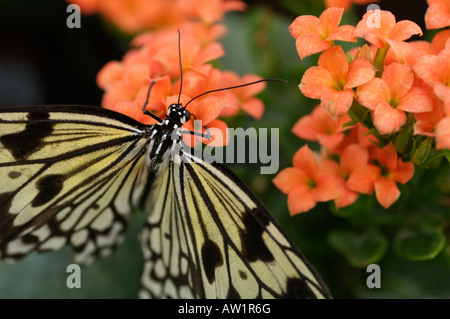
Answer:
(103, 221)
(42, 232)
(79, 238)
(18, 247)
(53, 243)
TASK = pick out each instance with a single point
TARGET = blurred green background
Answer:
(44, 62)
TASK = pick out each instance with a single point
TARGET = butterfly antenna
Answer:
(234, 87)
(147, 112)
(181, 67)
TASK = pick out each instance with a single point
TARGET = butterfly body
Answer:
(165, 136)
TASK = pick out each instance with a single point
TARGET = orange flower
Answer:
(244, 97)
(346, 4)
(382, 176)
(318, 126)
(377, 26)
(333, 79)
(438, 14)
(351, 158)
(441, 40)
(209, 11)
(133, 16)
(313, 35)
(126, 83)
(358, 134)
(408, 53)
(435, 71)
(426, 122)
(160, 50)
(443, 134)
(391, 95)
(304, 183)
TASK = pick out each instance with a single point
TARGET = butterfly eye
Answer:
(187, 115)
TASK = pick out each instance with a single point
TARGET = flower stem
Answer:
(379, 59)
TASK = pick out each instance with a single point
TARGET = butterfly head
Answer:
(177, 114)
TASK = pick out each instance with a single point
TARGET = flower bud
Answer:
(422, 151)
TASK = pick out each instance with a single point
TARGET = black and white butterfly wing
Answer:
(68, 175)
(72, 175)
(208, 236)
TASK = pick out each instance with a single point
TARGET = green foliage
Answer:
(419, 242)
(359, 248)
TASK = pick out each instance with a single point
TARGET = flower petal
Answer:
(353, 157)
(254, 107)
(387, 156)
(404, 172)
(372, 93)
(328, 188)
(309, 44)
(300, 200)
(360, 71)
(404, 29)
(442, 91)
(305, 160)
(443, 134)
(304, 25)
(399, 79)
(346, 198)
(362, 179)
(218, 130)
(375, 27)
(337, 103)
(314, 81)
(388, 120)
(428, 68)
(109, 74)
(289, 178)
(437, 15)
(330, 19)
(386, 191)
(335, 61)
(424, 128)
(343, 33)
(417, 100)
(209, 109)
(330, 141)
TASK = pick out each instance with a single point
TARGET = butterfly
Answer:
(72, 175)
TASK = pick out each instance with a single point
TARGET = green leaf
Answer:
(447, 155)
(419, 242)
(359, 248)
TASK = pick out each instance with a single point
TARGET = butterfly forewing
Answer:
(68, 174)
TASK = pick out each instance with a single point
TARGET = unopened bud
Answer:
(423, 151)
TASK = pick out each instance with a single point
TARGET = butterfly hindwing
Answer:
(234, 248)
(68, 176)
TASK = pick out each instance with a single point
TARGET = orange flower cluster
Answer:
(133, 16)
(346, 4)
(155, 57)
(382, 103)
